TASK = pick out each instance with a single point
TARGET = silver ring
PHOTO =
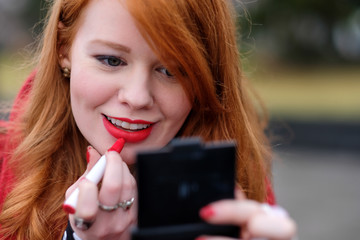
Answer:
(82, 224)
(126, 204)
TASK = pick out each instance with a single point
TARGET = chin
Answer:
(129, 157)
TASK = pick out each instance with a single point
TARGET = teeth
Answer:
(126, 125)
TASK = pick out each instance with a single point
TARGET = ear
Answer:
(64, 51)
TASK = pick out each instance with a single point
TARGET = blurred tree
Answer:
(34, 13)
(17, 21)
(306, 31)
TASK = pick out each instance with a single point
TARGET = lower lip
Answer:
(132, 137)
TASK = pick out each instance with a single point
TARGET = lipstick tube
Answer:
(94, 175)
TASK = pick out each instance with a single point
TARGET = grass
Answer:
(13, 72)
(321, 93)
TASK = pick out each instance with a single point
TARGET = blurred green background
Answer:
(303, 56)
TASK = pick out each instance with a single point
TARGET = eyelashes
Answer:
(165, 71)
(113, 62)
(110, 61)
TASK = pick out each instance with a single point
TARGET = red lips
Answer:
(129, 136)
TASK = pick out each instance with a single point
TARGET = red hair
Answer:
(51, 153)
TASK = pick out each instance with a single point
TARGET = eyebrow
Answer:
(113, 45)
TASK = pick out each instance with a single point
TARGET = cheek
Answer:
(86, 90)
(177, 106)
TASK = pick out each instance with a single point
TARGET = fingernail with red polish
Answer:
(207, 212)
(88, 154)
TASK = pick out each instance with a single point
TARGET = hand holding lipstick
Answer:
(118, 186)
(94, 175)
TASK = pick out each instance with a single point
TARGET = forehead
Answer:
(106, 18)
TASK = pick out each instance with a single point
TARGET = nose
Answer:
(135, 90)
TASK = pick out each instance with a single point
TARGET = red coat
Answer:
(6, 176)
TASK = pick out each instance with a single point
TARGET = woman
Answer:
(145, 71)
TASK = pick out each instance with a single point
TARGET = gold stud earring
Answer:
(66, 72)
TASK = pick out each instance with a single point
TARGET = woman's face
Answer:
(119, 88)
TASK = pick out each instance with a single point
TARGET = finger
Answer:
(117, 183)
(232, 212)
(271, 227)
(87, 207)
(251, 215)
(111, 183)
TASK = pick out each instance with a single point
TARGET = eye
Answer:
(111, 61)
(163, 70)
